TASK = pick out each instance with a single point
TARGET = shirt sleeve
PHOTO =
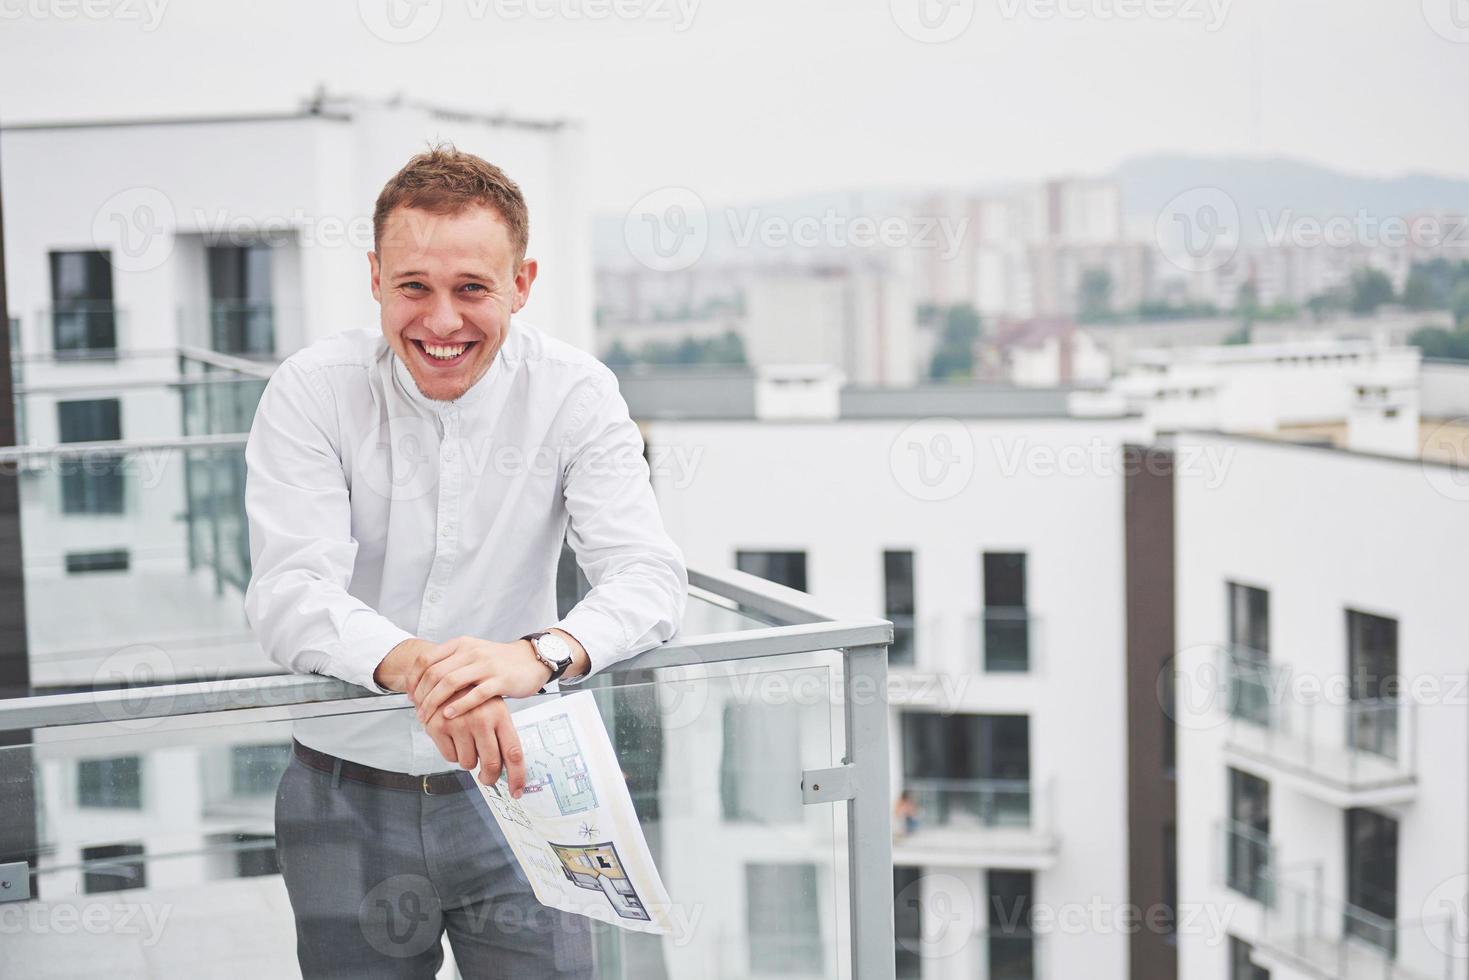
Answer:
(639, 583)
(301, 545)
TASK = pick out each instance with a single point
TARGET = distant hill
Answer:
(1148, 183)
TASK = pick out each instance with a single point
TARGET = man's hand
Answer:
(477, 669)
(484, 736)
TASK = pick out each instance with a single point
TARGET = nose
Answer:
(443, 319)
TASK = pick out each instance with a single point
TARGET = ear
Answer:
(375, 269)
(524, 277)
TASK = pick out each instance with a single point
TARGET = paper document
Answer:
(574, 829)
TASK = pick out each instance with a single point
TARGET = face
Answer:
(447, 285)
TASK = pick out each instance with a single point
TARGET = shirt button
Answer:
(435, 596)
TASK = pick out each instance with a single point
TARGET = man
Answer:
(408, 493)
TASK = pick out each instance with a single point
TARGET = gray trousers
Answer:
(377, 876)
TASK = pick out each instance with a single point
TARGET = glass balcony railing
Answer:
(1348, 752)
(1006, 636)
(1305, 929)
(242, 327)
(1248, 860)
(971, 803)
(83, 329)
(975, 822)
(759, 780)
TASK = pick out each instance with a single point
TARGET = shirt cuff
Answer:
(599, 635)
(363, 650)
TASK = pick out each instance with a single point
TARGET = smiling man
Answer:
(408, 493)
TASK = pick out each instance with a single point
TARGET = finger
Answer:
(435, 673)
(489, 753)
(427, 659)
(511, 752)
(464, 748)
(445, 745)
(472, 697)
(452, 683)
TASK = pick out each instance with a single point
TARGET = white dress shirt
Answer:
(377, 515)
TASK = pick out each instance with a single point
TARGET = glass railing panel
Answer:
(144, 547)
(971, 804)
(163, 831)
(1248, 860)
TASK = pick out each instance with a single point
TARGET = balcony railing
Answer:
(1247, 859)
(1357, 752)
(180, 862)
(83, 329)
(1006, 638)
(241, 327)
(981, 821)
(1305, 929)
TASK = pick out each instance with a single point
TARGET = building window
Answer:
(81, 562)
(1249, 653)
(1373, 683)
(241, 316)
(1241, 967)
(899, 603)
(759, 767)
(93, 484)
(1006, 626)
(787, 568)
(908, 921)
(111, 782)
(783, 928)
(255, 770)
(105, 870)
(1247, 836)
(247, 855)
(1372, 878)
(82, 316)
(1011, 942)
(968, 769)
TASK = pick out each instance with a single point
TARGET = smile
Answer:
(444, 355)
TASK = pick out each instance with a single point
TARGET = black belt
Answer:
(436, 784)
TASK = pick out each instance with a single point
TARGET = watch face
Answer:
(554, 647)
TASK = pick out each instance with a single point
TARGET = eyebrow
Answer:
(417, 274)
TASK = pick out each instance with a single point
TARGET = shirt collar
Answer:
(470, 398)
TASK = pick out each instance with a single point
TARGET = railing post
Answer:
(869, 817)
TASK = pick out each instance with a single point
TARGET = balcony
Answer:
(1247, 860)
(1006, 637)
(978, 823)
(148, 809)
(242, 327)
(1306, 932)
(1348, 753)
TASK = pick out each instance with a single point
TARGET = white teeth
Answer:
(444, 353)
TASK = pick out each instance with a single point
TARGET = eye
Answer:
(476, 285)
(413, 286)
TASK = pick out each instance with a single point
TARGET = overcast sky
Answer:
(752, 99)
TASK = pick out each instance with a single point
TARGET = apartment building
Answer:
(1321, 709)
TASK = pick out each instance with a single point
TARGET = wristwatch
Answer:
(552, 650)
